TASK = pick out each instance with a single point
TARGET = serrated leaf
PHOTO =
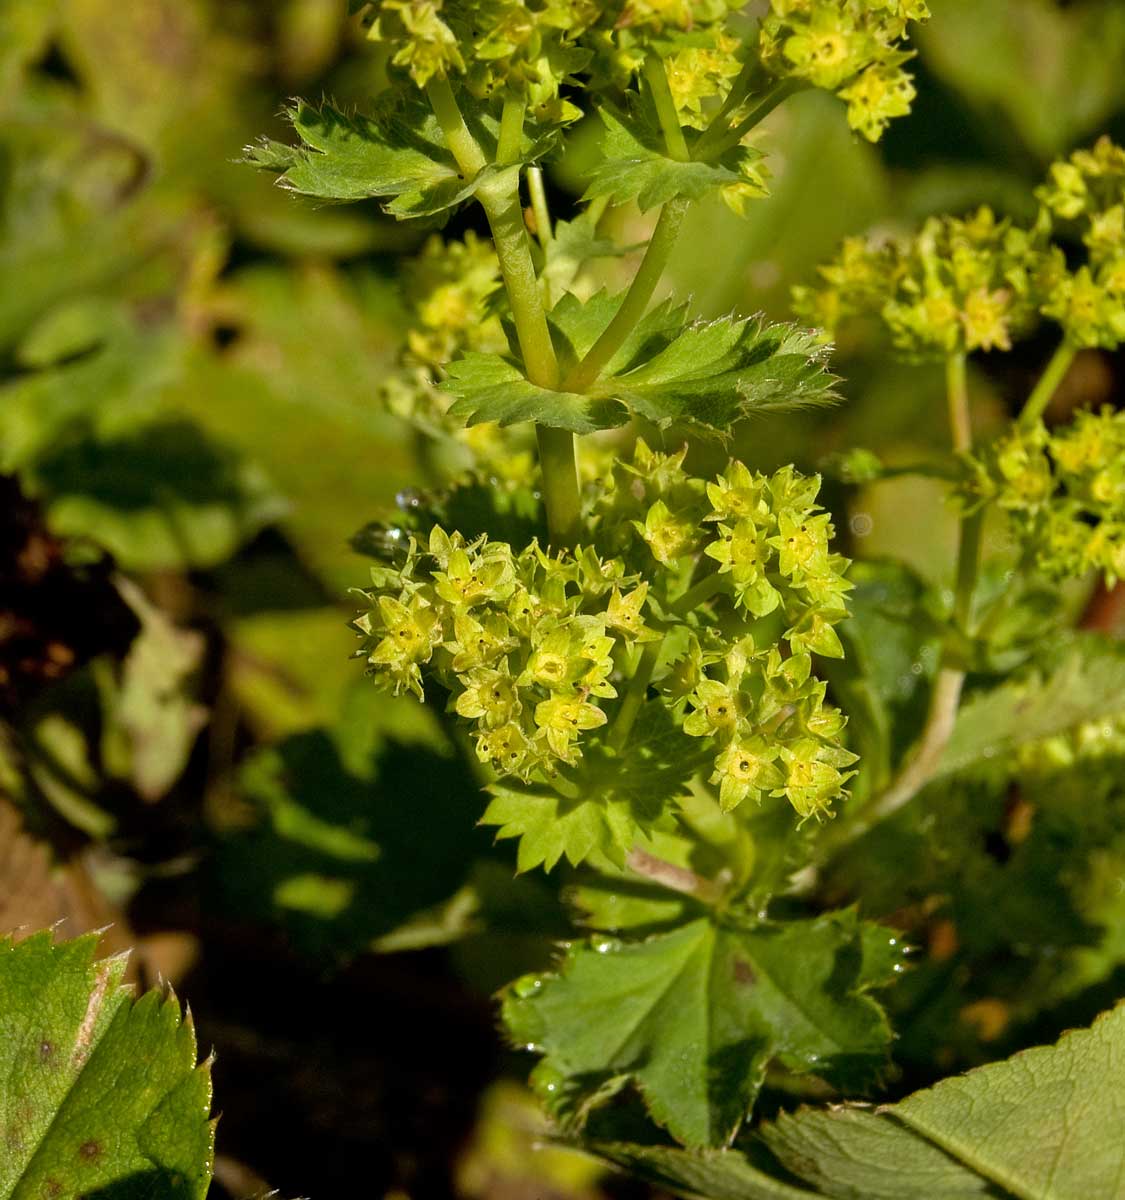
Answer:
(100, 1093)
(1046, 1123)
(693, 1016)
(702, 375)
(715, 373)
(618, 799)
(633, 166)
(397, 155)
(729, 1176)
(859, 1154)
(1080, 680)
(491, 388)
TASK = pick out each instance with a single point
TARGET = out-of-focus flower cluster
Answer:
(1064, 492)
(1088, 190)
(851, 47)
(448, 289)
(958, 285)
(977, 283)
(731, 579)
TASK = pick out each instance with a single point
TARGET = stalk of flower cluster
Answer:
(945, 698)
(1053, 375)
(501, 202)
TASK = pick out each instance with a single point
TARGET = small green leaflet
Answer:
(620, 798)
(397, 155)
(633, 166)
(573, 244)
(705, 375)
(1047, 1124)
(100, 1094)
(692, 1017)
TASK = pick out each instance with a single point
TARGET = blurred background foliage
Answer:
(191, 364)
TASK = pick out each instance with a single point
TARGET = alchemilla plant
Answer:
(636, 652)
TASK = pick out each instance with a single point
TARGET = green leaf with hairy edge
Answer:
(728, 1175)
(100, 1093)
(1080, 679)
(702, 375)
(1046, 1124)
(397, 155)
(692, 1017)
(633, 166)
(620, 799)
(861, 1154)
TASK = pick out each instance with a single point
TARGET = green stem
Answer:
(678, 879)
(657, 79)
(635, 694)
(918, 770)
(945, 699)
(708, 586)
(1048, 383)
(739, 90)
(636, 298)
(511, 128)
(957, 394)
(539, 206)
(968, 565)
(775, 96)
(561, 495)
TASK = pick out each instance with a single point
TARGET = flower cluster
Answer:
(977, 283)
(958, 285)
(851, 47)
(1064, 491)
(523, 642)
(448, 287)
(1089, 189)
(731, 581)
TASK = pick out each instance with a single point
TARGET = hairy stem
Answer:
(501, 202)
(1048, 385)
(635, 694)
(462, 145)
(511, 128)
(678, 879)
(636, 298)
